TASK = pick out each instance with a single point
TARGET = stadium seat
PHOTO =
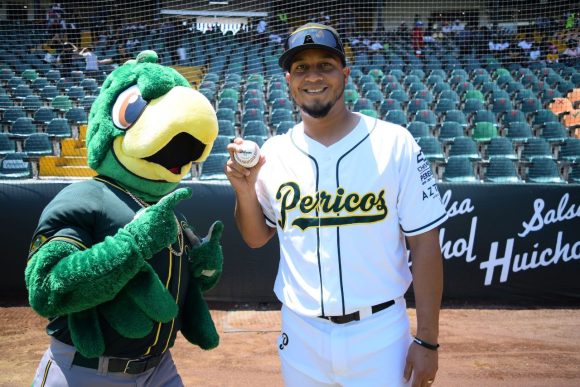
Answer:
(226, 128)
(418, 129)
(64, 84)
(450, 130)
(484, 131)
(530, 105)
(376, 96)
(443, 105)
(415, 105)
(15, 166)
(369, 112)
(518, 132)
(38, 144)
(257, 139)
(53, 75)
(226, 114)
(464, 147)
(213, 167)
(400, 95)
(501, 105)
(21, 92)
(474, 94)
(7, 145)
(283, 127)
(14, 82)
(554, 132)
(87, 102)
(362, 103)
(544, 171)
(279, 115)
(61, 103)
(220, 144)
(431, 148)
(542, 116)
(425, 94)
(472, 105)
(572, 120)
(501, 170)
(513, 115)
(574, 174)
(500, 147)
(459, 170)
(536, 148)
(427, 116)
(570, 151)
(12, 114)
(76, 116)
(398, 117)
(255, 128)
(228, 103)
(229, 93)
(43, 115)
(59, 128)
(440, 87)
(523, 94)
(484, 116)
(76, 93)
(389, 104)
(31, 103)
(90, 86)
(255, 103)
(251, 115)
(5, 102)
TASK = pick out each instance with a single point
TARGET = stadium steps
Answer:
(194, 74)
(73, 159)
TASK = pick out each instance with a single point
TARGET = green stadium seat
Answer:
(484, 131)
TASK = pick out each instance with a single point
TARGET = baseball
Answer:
(249, 154)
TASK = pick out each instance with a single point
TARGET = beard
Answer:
(320, 109)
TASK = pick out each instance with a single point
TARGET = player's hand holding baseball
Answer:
(242, 179)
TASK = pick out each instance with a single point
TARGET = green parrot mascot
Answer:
(112, 266)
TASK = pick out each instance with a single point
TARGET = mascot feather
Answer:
(112, 266)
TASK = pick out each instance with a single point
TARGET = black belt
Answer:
(355, 316)
(127, 366)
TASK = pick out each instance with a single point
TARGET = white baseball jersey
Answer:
(342, 212)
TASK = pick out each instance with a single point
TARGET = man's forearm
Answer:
(250, 220)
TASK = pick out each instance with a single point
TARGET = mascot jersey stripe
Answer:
(374, 185)
(84, 214)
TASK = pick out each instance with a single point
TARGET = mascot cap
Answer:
(311, 35)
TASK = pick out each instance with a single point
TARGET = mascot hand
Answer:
(155, 227)
(206, 258)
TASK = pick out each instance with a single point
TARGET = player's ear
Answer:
(346, 72)
(287, 76)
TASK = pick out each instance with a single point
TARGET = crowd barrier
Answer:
(504, 244)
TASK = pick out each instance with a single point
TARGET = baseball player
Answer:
(344, 192)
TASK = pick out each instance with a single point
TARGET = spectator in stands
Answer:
(553, 55)
(92, 62)
(465, 40)
(66, 59)
(417, 35)
(571, 54)
(55, 20)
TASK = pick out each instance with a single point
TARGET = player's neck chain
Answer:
(144, 204)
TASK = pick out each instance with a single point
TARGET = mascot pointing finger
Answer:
(116, 270)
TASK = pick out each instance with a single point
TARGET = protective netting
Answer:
(422, 64)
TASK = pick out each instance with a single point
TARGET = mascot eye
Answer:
(128, 107)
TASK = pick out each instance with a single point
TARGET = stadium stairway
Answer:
(72, 161)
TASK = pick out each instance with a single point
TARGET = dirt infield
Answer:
(479, 347)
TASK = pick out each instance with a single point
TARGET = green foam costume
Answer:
(112, 265)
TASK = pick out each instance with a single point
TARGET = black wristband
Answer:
(422, 343)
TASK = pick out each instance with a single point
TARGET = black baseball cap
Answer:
(311, 35)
